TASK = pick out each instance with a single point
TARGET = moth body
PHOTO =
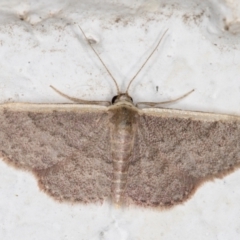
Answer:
(123, 125)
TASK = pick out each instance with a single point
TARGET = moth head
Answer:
(122, 97)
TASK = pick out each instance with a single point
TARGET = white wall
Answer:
(41, 44)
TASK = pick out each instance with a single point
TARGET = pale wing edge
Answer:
(35, 107)
(205, 116)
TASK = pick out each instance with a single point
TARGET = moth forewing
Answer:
(176, 151)
(66, 147)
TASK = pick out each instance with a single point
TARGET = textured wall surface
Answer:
(41, 44)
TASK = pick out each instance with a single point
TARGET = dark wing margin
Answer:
(176, 151)
(65, 146)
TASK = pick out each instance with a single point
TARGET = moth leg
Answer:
(77, 100)
(155, 105)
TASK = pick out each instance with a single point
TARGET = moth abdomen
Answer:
(121, 154)
(122, 142)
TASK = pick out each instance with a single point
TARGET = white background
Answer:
(41, 44)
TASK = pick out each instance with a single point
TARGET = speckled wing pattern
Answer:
(61, 147)
(175, 151)
(68, 148)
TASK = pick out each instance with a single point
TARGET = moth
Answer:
(93, 151)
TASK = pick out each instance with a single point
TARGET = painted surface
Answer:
(41, 44)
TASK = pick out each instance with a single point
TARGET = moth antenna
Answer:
(145, 61)
(114, 80)
(155, 104)
(78, 100)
